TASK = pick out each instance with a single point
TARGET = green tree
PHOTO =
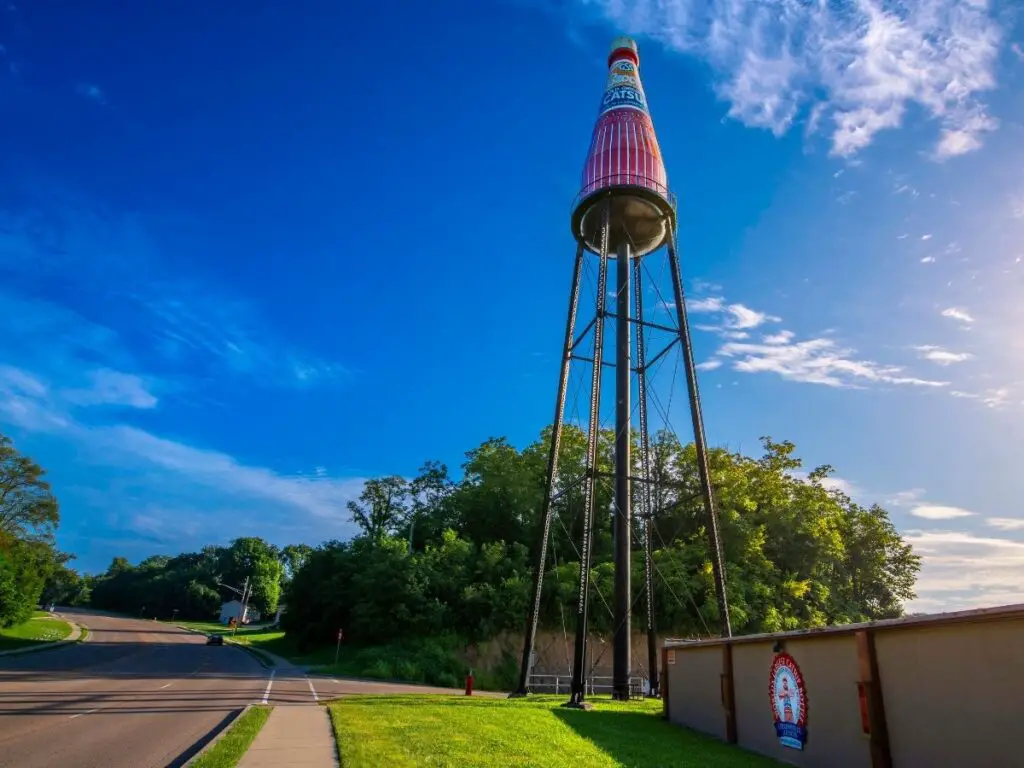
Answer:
(259, 561)
(382, 507)
(28, 508)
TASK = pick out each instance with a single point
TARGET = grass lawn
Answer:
(35, 631)
(232, 745)
(451, 731)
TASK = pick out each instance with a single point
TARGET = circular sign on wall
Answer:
(789, 701)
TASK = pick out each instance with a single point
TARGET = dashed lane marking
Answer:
(270, 682)
(312, 690)
(87, 712)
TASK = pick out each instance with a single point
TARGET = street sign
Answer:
(671, 656)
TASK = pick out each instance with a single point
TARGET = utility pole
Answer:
(244, 593)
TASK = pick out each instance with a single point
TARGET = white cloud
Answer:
(958, 314)
(928, 260)
(936, 512)
(904, 236)
(113, 388)
(782, 337)
(905, 498)
(1018, 51)
(941, 356)
(960, 570)
(832, 483)
(738, 317)
(990, 398)
(1017, 206)
(926, 237)
(864, 64)
(709, 365)
(964, 135)
(1006, 523)
(817, 361)
(713, 304)
(744, 317)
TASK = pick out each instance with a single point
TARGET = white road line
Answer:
(87, 712)
(312, 690)
(166, 686)
(335, 681)
(270, 682)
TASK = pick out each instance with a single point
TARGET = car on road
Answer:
(215, 640)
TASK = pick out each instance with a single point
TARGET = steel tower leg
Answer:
(580, 650)
(646, 506)
(621, 655)
(552, 476)
(714, 545)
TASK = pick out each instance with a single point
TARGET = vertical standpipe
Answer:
(623, 464)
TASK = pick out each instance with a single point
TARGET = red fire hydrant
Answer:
(469, 683)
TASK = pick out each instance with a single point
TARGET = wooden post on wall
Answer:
(728, 694)
(870, 693)
(664, 682)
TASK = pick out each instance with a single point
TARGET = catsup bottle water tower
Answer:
(624, 213)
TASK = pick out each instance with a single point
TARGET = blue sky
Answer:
(249, 259)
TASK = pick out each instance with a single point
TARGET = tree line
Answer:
(437, 555)
(443, 556)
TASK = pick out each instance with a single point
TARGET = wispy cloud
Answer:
(709, 365)
(941, 356)
(736, 317)
(937, 512)
(1018, 51)
(928, 260)
(817, 361)
(962, 570)
(29, 402)
(956, 313)
(129, 303)
(782, 337)
(92, 92)
(990, 398)
(109, 387)
(1006, 523)
(862, 65)
(904, 498)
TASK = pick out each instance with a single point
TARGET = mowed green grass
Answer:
(35, 631)
(230, 748)
(444, 731)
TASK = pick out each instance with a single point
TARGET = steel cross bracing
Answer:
(648, 486)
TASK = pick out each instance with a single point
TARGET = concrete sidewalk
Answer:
(294, 735)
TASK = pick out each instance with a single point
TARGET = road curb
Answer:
(79, 632)
(217, 737)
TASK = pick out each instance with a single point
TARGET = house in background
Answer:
(233, 610)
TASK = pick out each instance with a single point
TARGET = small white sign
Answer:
(671, 656)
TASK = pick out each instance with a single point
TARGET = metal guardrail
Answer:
(563, 684)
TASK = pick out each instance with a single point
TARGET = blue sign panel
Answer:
(623, 96)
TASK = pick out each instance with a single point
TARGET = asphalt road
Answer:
(137, 694)
(141, 694)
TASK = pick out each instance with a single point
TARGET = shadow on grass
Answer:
(644, 739)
